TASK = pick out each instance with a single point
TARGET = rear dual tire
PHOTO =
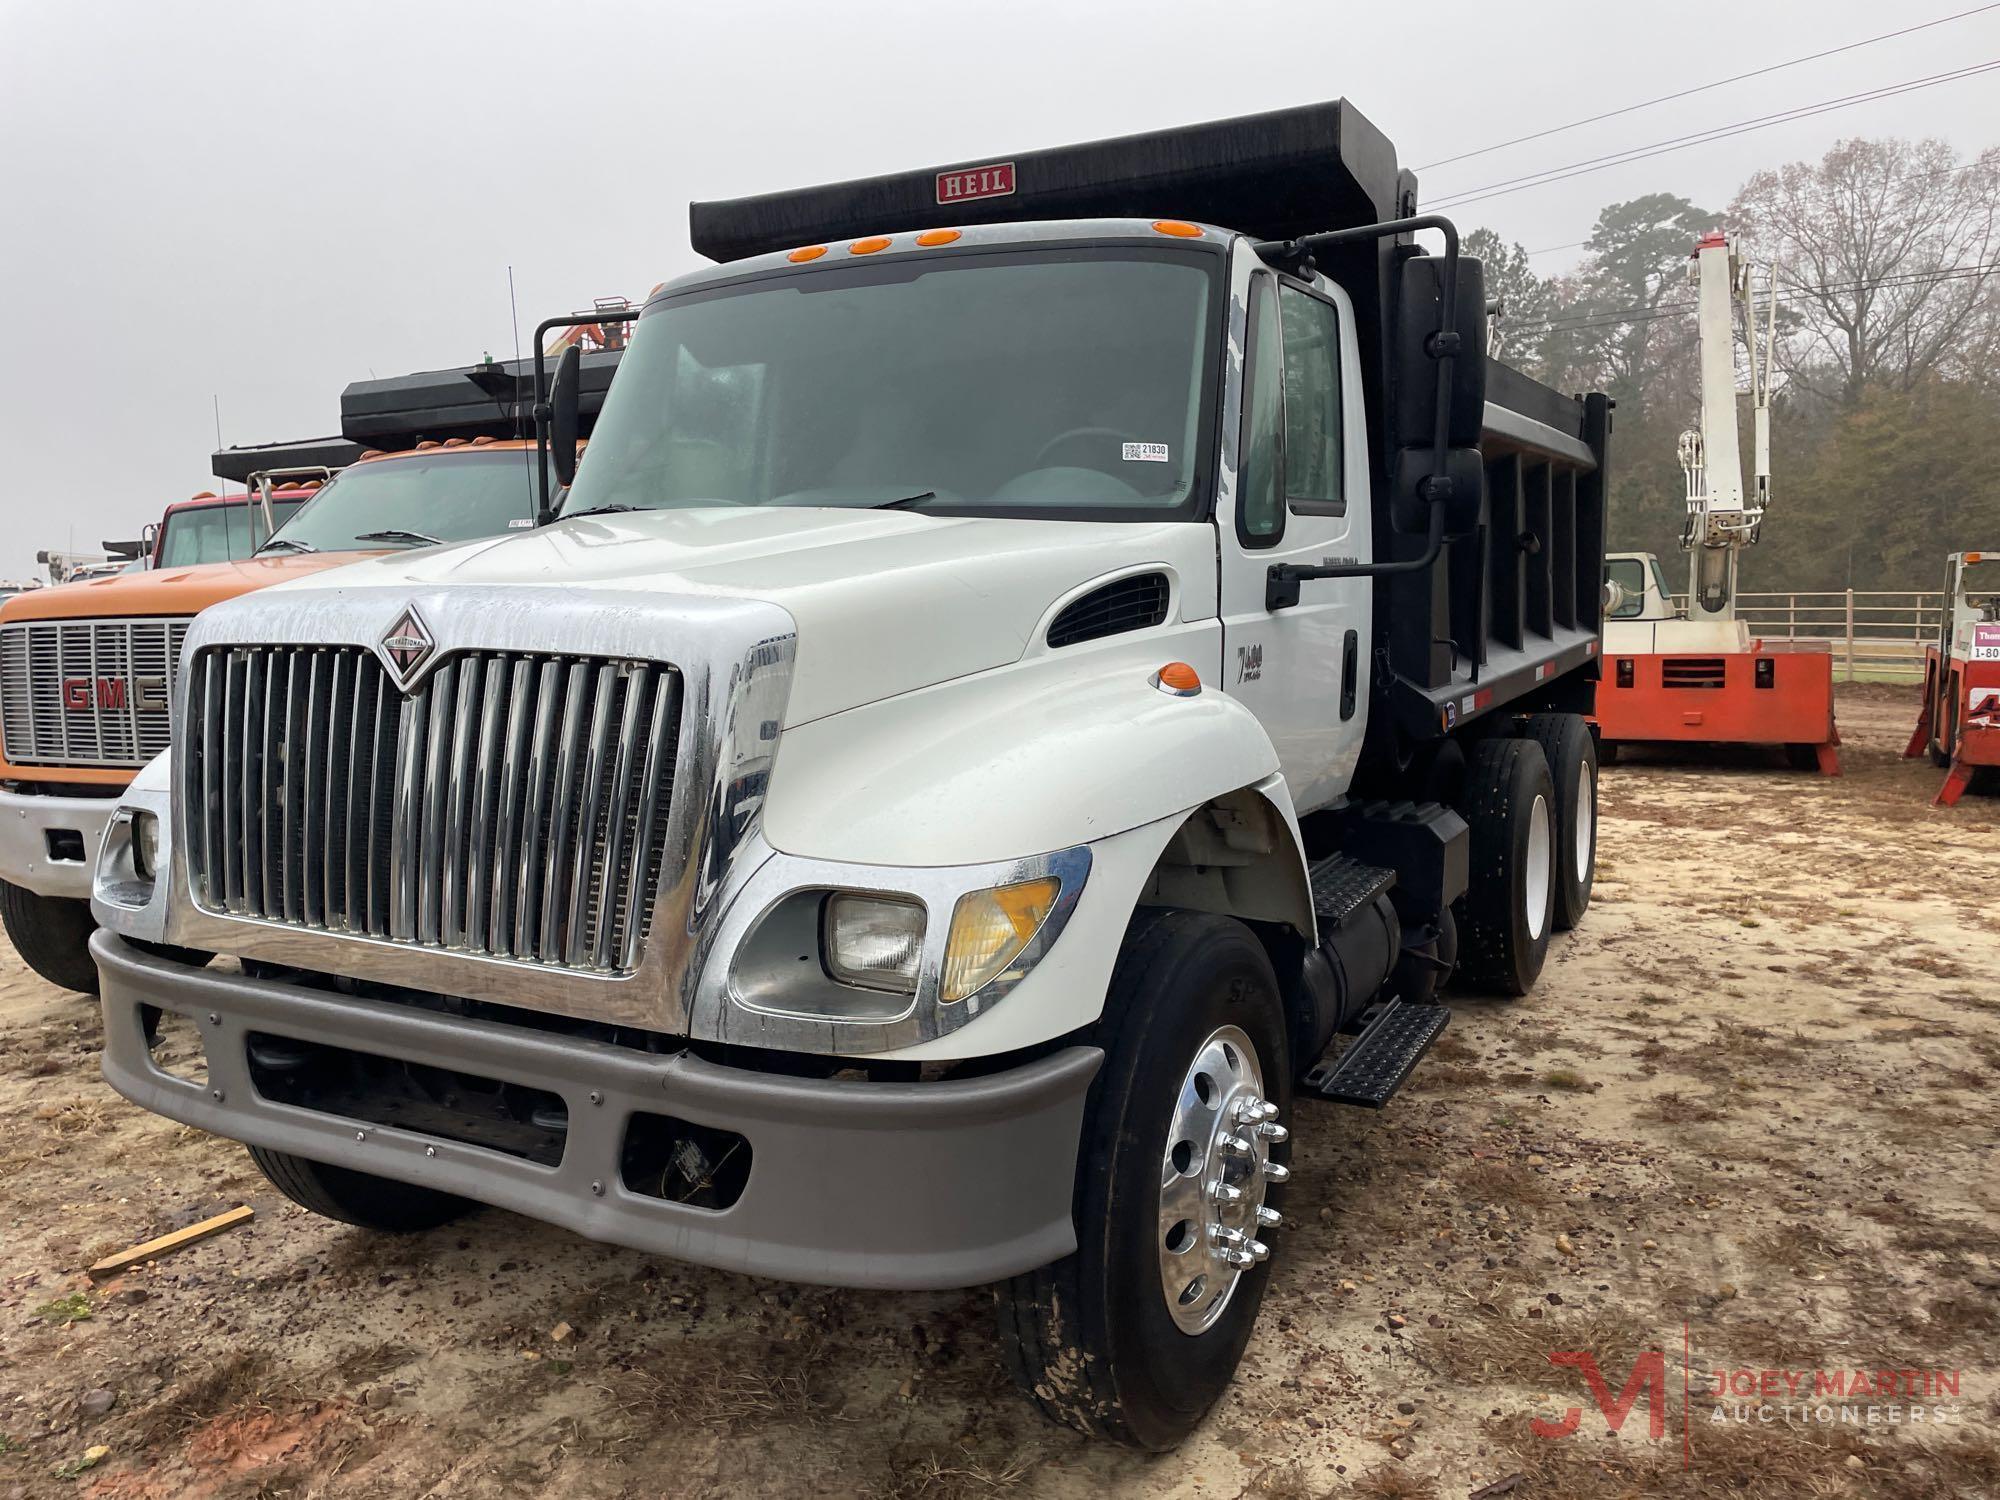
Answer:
(1508, 909)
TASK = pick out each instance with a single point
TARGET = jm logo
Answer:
(1648, 1378)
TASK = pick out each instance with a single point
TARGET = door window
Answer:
(1260, 507)
(1312, 404)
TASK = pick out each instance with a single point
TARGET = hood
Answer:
(167, 591)
(885, 602)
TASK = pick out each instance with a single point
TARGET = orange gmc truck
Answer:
(87, 670)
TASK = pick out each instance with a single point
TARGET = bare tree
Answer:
(1887, 262)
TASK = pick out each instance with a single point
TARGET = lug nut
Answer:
(1275, 1134)
(1234, 1144)
(1258, 1250)
(1238, 1260)
(1276, 1172)
(1222, 1192)
(1268, 1218)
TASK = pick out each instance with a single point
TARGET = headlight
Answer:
(873, 941)
(145, 845)
(988, 931)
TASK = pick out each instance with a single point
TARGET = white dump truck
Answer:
(1044, 664)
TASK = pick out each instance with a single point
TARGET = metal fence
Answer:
(1874, 633)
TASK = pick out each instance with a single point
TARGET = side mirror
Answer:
(563, 392)
(1419, 308)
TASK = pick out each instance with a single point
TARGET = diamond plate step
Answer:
(1342, 886)
(1378, 1061)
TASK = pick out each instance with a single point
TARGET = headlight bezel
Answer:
(761, 990)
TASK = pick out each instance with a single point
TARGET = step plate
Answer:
(1342, 886)
(1370, 1071)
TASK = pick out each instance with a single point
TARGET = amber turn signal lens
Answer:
(1179, 228)
(807, 252)
(932, 237)
(870, 245)
(1179, 678)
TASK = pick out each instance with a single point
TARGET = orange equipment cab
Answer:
(1959, 723)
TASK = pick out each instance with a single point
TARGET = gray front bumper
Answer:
(903, 1185)
(25, 824)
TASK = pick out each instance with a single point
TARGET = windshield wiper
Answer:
(617, 507)
(916, 499)
(398, 534)
(287, 543)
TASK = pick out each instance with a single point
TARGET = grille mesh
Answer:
(1134, 603)
(88, 692)
(512, 805)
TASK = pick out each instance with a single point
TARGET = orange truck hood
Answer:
(164, 591)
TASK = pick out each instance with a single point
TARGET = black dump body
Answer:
(238, 464)
(494, 399)
(1508, 618)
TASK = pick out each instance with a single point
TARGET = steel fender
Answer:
(1059, 749)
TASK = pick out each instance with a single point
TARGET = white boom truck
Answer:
(1034, 651)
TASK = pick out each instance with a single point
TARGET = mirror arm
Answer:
(1281, 586)
(541, 410)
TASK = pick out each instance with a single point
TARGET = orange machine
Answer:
(1959, 724)
(1700, 676)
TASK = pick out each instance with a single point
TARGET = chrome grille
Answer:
(87, 692)
(512, 805)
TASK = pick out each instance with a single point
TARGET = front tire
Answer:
(52, 935)
(1508, 909)
(1135, 1335)
(1571, 752)
(358, 1198)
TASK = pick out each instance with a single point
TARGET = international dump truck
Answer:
(87, 671)
(1035, 651)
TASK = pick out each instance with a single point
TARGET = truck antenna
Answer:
(514, 416)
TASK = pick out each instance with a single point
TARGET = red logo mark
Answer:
(81, 694)
(1649, 1375)
(995, 180)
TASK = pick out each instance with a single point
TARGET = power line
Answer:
(1899, 181)
(1612, 317)
(1703, 88)
(1702, 137)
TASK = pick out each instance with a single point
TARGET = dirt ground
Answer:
(1746, 1121)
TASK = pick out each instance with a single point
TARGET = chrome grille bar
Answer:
(512, 804)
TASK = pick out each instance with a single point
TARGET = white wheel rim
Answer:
(1586, 821)
(1213, 1180)
(1541, 860)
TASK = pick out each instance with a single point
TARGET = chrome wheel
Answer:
(1538, 877)
(1213, 1179)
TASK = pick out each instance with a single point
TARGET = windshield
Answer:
(217, 533)
(444, 494)
(1057, 383)
(1630, 575)
(1980, 580)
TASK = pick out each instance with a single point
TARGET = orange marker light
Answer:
(1178, 678)
(870, 245)
(937, 237)
(807, 252)
(1179, 228)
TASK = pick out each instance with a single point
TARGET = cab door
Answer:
(1300, 496)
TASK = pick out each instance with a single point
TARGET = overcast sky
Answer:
(258, 202)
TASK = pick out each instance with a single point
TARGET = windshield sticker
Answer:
(520, 523)
(1145, 453)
